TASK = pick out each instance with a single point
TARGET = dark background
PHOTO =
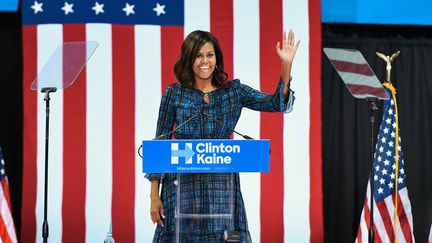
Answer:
(346, 127)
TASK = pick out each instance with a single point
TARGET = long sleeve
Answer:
(165, 123)
(256, 100)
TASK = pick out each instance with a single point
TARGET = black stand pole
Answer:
(373, 108)
(45, 230)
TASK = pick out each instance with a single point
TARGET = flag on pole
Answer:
(7, 227)
(392, 217)
(97, 124)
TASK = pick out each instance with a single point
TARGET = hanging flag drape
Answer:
(97, 124)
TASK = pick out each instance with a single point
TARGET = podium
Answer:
(205, 181)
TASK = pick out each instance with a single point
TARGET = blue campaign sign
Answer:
(206, 156)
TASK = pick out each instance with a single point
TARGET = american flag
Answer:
(389, 191)
(7, 226)
(97, 124)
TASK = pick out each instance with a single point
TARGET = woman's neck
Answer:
(204, 85)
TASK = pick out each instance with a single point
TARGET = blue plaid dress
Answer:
(179, 104)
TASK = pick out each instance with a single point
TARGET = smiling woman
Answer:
(203, 93)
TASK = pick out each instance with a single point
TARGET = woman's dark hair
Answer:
(183, 67)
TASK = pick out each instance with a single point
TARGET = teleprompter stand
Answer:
(60, 71)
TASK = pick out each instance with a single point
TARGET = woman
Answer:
(211, 105)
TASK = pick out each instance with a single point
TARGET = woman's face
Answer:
(205, 63)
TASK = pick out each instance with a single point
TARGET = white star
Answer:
(381, 149)
(67, 8)
(402, 171)
(393, 166)
(400, 180)
(390, 185)
(2, 161)
(392, 134)
(379, 158)
(37, 7)
(375, 177)
(389, 153)
(386, 162)
(392, 175)
(386, 130)
(377, 168)
(392, 102)
(390, 143)
(129, 9)
(388, 120)
(383, 139)
(390, 111)
(98, 8)
(394, 125)
(2, 171)
(380, 190)
(382, 181)
(384, 171)
(159, 9)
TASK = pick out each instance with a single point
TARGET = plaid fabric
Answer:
(210, 192)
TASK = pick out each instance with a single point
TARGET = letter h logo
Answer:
(177, 153)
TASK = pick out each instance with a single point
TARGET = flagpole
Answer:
(389, 85)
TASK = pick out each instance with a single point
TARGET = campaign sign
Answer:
(205, 156)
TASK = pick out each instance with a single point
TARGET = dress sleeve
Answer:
(256, 100)
(165, 124)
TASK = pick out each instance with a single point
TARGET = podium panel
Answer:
(204, 207)
(207, 194)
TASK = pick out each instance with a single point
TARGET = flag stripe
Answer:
(387, 218)
(364, 90)
(315, 136)
(28, 217)
(46, 48)
(99, 134)
(147, 99)
(197, 15)
(403, 222)
(350, 67)
(74, 143)
(123, 137)
(246, 51)
(221, 25)
(171, 39)
(272, 183)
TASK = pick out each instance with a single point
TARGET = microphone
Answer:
(225, 126)
(179, 126)
(174, 130)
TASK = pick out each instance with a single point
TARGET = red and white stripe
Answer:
(384, 229)
(355, 72)
(97, 124)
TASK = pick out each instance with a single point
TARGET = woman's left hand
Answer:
(287, 51)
